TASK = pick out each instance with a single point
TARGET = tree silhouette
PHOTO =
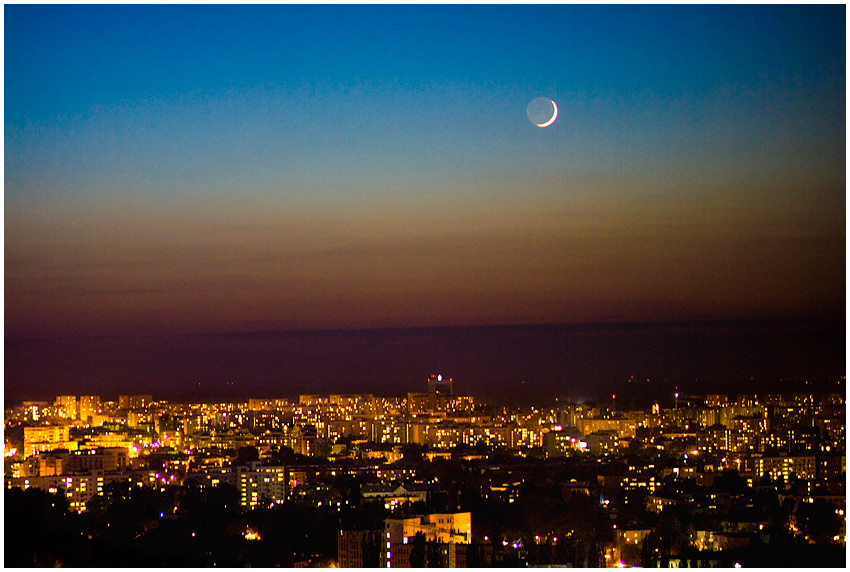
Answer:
(246, 455)
(819, 520)
(39, 528)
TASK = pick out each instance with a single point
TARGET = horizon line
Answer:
(343, 329)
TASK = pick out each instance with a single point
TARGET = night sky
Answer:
(173, 172)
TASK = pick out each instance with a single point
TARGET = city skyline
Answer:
(511, 364)
(751, 479)
(176, 173)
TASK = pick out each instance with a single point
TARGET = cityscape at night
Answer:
(382, 286)
(433, 478)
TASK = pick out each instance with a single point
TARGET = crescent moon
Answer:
(552, 119)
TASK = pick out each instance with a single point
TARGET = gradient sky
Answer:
(188, 169)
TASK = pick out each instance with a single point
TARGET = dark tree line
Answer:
(189, 526)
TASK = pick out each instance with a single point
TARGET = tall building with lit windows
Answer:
(803, 466)
(89, 407)
(260, 486)
(47, 438)
(78, 488)
(134, 401)
(438, 384)
(451, 531)
(68, 405)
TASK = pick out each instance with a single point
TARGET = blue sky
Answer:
(194, 94)
(194, 168)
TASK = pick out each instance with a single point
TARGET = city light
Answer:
(599, 444)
